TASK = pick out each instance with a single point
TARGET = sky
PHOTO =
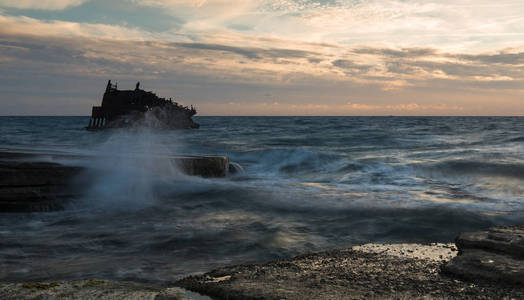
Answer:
(284, 57)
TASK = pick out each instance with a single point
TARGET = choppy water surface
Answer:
(310, 183)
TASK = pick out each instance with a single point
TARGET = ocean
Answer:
(309, 184)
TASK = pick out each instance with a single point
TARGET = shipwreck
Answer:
(132, 108)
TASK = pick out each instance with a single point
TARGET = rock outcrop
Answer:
(394, 273)
(90, 289)
(35, 186)
(496, 254)
(29, 185)
(204, 166)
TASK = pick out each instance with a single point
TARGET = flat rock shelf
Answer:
(29, 184)
(371, 271)
(93, 289)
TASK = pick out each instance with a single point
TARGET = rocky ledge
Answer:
(373, 271)
(496, 254)
(92, 289)
(35, 186)
(29, 184)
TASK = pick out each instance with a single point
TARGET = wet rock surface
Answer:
(496, 254)
(344, 274)
(205, 166)
(28, 183)
(35, 186)
(88, 289)
(437, 252)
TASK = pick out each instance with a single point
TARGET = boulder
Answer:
(503, 239)
(496, 254)
(204, 166)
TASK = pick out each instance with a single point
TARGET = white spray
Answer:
(125, 170)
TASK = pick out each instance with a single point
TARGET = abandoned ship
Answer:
(131, 108)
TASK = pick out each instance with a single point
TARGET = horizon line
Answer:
(277, 116)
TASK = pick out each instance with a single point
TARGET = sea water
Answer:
(309, 184)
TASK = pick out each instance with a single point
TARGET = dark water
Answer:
(310, 183)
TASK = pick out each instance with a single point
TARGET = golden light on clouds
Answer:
(41, 4)
(313, 57)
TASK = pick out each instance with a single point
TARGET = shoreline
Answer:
(371, 271)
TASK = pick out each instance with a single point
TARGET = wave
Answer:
(292, 161)
(516, 139)
(479, 168)
(351, 167)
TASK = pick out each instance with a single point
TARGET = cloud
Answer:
(249, 52)
(397, 53)
(497, 58)
(456, 26)
(303, 76)
(205, 15)
(41, 4)
(351, 66)
(24, 26)
(97, 46)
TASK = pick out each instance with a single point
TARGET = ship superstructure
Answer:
(129, 108)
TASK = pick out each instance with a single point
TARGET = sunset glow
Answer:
(284, 57)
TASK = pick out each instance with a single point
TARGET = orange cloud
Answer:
(41, 4)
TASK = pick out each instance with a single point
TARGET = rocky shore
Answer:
(370, 271)
(495, 254)
(364, 272)
(92, 289)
